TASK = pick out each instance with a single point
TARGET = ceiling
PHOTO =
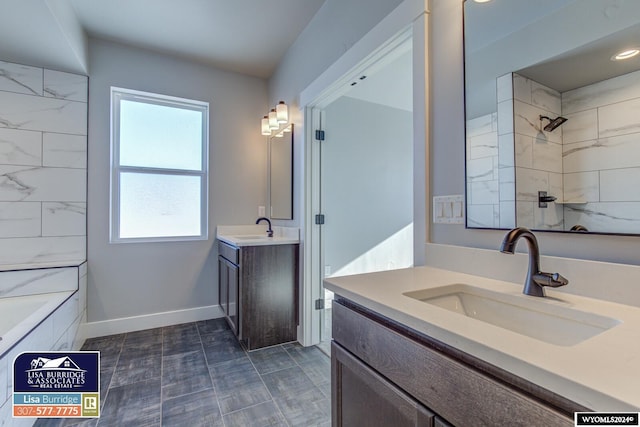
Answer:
(244, 36)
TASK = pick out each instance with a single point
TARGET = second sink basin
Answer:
(530, 316)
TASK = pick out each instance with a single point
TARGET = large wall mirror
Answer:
(281, 173)
(552, 117)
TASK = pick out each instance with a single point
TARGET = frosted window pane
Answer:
(160, 136)
(154, 205)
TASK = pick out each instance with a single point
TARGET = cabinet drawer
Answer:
(230, 253)
(459, 393)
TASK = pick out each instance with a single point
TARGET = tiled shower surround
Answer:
(43, 167)
(590, 163)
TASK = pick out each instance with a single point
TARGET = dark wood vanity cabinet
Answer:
(258, 292)
(384, 374)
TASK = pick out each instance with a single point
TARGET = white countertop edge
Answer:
(580, 373)
(233, 235)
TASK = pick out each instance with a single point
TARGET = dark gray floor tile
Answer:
(302, 354)
(212, 325)
(271, 359)
(238, 385)
(318, 371)
(221, 347)
(325, 389)
(245, 397)
(66, 422)
(264, 414)
(180, 339)
(193, 410)
(133, 405)
(108, 345)
(184, 373)
(305, 410)
(134, 368)
(291, 382)
(147, 336)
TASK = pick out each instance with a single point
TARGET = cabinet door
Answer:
(361, 397)
(233, 312)
(223, 285)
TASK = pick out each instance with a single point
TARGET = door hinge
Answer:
(319, 219)
(319, 304)
(319, 135)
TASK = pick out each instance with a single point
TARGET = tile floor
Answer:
(196, 374)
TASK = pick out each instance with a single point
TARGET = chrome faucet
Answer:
(536, 279)
(269, 230)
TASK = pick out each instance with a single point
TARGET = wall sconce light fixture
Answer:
(276, 118)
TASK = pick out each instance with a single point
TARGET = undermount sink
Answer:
(533, 317)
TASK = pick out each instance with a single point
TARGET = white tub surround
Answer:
(43, 167)
(256, 235)
(600, 373)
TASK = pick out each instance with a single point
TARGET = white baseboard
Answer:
(148, 321)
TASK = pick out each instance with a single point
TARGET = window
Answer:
(158, 167)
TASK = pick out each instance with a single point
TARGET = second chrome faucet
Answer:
(536, 280)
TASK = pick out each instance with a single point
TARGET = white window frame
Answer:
(119, 94)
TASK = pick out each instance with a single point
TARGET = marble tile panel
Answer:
(526, 119)
(58, 84)
(20, 78)
(581, 187)
(481, 170)
(484, 145)
(64, 150)
(529, 182)
(507, 214)
(521, 88)
(505, 117)
(4, 379)
(20, 219)
(549, 218)
(481, 216)
(485, 192)
(18, 111)
(20, 147)
(480, 125)
(64, 219)
(546, 98)
(198, 409)
(622, 118)
(82, 295)
(547, 156)
(620, 185)
(580, 126)
(523, 151)
(556, 185)
(37, 250)
(525, 214)
(30, 282)
(65, 315)
(506, 153)
(605, 153)
(615, 217)
(607, 92)
(22, 183)
(507, 184)
(505, 87)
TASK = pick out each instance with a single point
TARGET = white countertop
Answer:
(601, 373)
(256, 235)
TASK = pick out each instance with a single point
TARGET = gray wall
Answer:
(447, 151)
(367, 184)
(132, 279)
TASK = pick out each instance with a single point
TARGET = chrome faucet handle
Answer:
(553, 280)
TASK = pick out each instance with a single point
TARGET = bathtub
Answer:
(20, 315)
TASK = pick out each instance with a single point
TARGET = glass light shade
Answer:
(282, 112)
(266, 130)
(279, 135)
(287, 129)
(273, 119)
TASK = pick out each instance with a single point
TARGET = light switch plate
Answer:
(448, 209)
(261, 210)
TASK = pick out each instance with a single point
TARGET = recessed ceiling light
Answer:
(625, 54)
(482, 1)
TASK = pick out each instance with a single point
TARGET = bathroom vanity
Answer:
(258, 284)
(403, 351)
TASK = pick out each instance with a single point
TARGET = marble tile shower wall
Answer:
(43, 166)
(537, 154)
(601, 155)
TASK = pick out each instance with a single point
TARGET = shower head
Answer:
(553, 123)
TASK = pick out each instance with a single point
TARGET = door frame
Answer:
(408, 23)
